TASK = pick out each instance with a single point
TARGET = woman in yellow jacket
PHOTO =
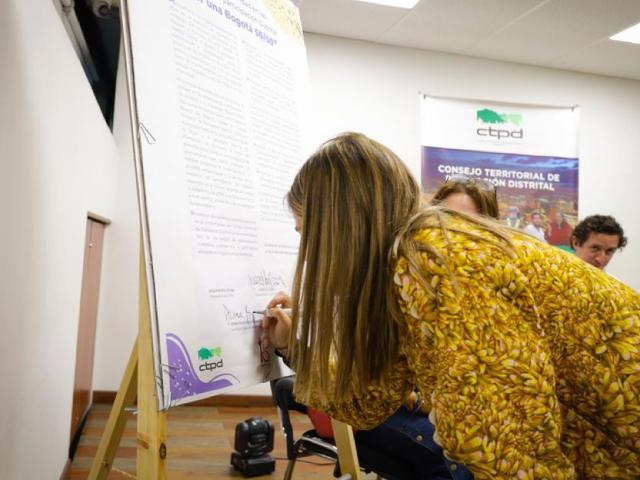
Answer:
(527, 357)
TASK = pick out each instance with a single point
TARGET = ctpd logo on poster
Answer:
(205, 354)
(504, 124)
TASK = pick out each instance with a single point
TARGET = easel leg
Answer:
(152, 424)
(138, 381)
(114, 428)
(347, 453)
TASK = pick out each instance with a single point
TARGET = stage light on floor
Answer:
(253, 442)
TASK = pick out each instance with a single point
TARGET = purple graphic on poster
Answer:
(525, 184)
(184, 379)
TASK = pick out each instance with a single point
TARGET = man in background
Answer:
(535, 227)
(559, 230)
(596, 238)
(513, 218)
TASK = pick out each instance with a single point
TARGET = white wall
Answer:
(58, 161)
(118, 310)
(374, 89)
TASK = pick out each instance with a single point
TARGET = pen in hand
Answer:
(267, 312)
(274, 329)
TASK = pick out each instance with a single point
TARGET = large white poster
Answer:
(219, 88)
(528, 152)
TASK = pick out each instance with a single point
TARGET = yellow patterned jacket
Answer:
(530, 364)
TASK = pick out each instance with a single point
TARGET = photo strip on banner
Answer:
(528, 153)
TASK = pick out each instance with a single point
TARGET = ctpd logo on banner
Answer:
(505, 123)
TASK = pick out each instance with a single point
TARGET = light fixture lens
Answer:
(393, 3)
(631, 35)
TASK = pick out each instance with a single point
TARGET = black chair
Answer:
(309, 443)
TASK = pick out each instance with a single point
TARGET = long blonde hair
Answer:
(360, 207)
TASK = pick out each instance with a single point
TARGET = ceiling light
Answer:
(393, 3)
(631, 34)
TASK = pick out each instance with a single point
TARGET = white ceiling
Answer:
(565, 34)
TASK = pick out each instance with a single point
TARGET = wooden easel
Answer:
(347, 454)
(138, 383)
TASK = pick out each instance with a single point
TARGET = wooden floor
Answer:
(199, 444)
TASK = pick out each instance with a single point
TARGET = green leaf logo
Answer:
(487, 115)
(207, 353)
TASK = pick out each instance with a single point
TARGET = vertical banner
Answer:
(219, 88)
(530, 153)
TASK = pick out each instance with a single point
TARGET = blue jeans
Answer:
(402, 448)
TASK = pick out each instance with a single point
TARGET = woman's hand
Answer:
(276, 326)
